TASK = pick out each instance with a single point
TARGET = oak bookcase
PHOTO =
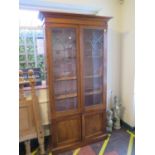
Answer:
(76, 57)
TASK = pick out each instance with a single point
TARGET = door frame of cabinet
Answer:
(96, 109)
(103, 104)
(51, 75)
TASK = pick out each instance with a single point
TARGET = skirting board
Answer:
(127, 126)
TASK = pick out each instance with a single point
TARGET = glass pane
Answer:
(66, 104)
(22, 58)
(64, 61)
(95, 99)
(21, 40)
(31, 58)
(64, 52)
(29, 40)
(22, 66)
(93, 68)
(40, 58)
(65, 87)
(21, 49)
(30, 49)
(31, 65)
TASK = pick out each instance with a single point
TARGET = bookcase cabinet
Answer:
(76, 57)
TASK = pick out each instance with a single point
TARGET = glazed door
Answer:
(93, 81)
(64, 51)
(65, 84)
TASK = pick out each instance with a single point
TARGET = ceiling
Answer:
(79, 6)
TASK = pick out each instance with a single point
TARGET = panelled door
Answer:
(65, 85)
(93, 87)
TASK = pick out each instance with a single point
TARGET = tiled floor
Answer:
(117, 145)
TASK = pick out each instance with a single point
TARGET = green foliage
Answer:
(22, 66)
(22, 58)
(40, 58)
(41, 65)
(31, 58)
(21, 49)
(21, 40)
(29, 41)
(30, 49)
(31, 65)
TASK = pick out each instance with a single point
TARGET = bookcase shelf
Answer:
(63, 78)
(60, 97)
(93, 76)
(93, 92)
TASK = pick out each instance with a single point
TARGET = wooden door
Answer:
(93, 82)
(64, 84)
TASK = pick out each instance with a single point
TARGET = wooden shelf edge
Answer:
(66, 78)
(93, 92)
(93, 76)
(66, 96)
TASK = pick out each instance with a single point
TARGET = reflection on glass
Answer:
(93, 68)
(66, 104)
(64, 61)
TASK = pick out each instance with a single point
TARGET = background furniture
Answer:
(77, 65)
(30, 125)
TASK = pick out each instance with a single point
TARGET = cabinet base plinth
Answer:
(57, 150)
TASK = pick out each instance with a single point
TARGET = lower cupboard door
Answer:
(67, 131)
(95, 124)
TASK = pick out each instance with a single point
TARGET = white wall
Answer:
(128, 61)
(112, 8)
